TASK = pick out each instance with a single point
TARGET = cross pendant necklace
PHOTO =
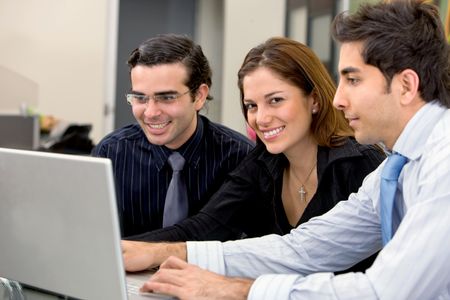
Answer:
(302, 191)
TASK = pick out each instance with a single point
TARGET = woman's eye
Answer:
(249, 106)
(276, 100)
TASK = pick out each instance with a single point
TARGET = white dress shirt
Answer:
(415, 264)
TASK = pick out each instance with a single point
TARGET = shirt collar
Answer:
(191, 149)
(412, 140)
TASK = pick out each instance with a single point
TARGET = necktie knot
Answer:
(176, 161)
(393, 166)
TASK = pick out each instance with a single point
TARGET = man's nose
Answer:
(152, 108)
(339, 100)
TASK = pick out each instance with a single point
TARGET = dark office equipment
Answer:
(19, 132)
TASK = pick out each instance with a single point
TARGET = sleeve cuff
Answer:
(206, 255)
(272, 286)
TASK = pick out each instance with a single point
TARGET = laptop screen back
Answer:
(58, 224)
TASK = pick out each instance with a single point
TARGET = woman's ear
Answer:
(315, 103)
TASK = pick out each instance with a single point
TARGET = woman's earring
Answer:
(314, 111)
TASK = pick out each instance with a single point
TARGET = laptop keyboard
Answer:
(133, 289)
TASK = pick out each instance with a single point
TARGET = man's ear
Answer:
(200, 96)
(409, 82)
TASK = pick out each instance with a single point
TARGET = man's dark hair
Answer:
(173, 48)
(399, 35)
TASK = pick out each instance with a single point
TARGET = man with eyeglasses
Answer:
(170, 82)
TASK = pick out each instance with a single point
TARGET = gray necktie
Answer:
(176, 205)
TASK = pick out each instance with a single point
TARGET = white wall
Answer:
(61, 45)
(247, 23)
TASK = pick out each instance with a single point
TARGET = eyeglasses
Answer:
(139, 99)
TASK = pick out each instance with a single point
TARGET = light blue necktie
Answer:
(176, 206)
(389, 180)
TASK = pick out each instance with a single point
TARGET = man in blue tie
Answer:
(394, 89)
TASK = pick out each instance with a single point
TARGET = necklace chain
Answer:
(302, 190)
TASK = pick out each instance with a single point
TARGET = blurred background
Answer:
(66, 59)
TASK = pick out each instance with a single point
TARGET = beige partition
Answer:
(17, 92)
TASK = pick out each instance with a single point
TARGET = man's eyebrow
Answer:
(157, 93)
(348, 70)
(166, 92)
(136, 92)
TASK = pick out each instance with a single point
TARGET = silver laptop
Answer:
(20, 132)
(59, 228)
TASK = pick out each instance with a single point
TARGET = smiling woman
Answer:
(286, 96)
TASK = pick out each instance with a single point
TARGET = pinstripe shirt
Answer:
(142, 173)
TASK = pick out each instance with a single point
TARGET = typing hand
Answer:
(138, 256)
(177, 278)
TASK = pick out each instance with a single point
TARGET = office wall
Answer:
(11, 100)
(62, 46)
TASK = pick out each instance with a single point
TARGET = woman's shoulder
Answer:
(259, 159)
(352, 148)
(354, 153)
(370, 151)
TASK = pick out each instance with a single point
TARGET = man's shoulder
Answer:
(225, 135)
(126, 133)
(444, 123)
(439, 134)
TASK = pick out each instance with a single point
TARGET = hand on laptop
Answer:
(139, 256)
(178, 278)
